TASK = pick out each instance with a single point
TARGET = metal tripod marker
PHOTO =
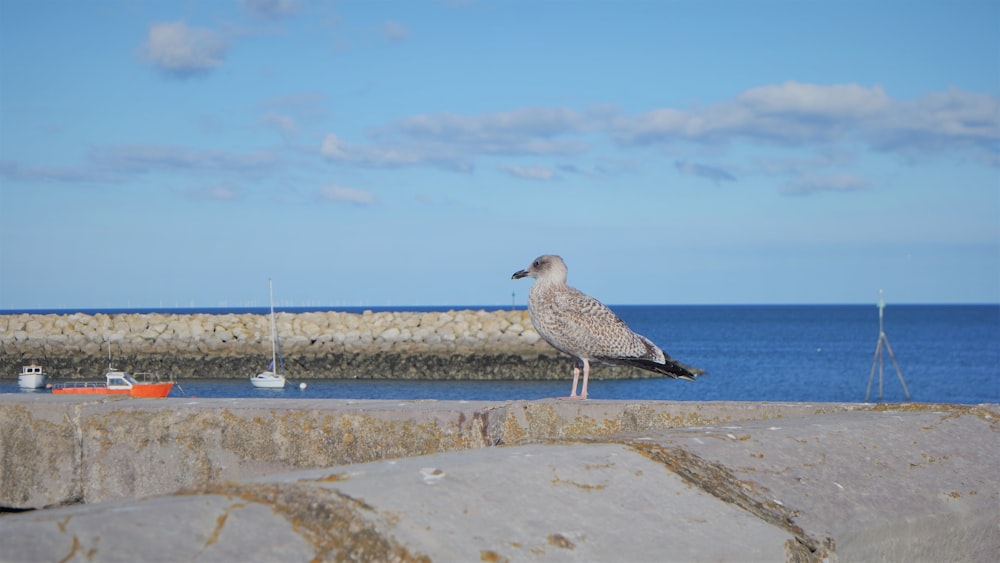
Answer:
(877, 360)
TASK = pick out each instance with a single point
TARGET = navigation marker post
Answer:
(878, 360)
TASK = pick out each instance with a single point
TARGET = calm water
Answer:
(947, 353)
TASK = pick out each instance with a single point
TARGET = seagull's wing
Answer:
(593, 331)
(588, 328)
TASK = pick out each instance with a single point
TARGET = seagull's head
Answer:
(548, 268)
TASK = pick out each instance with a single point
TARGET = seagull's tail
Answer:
(670, 368)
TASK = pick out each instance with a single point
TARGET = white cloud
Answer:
(453, 141)
(833, 122)
(841, 101)
(180, 50)
(347, 195)
(809, 114)
(940, 120)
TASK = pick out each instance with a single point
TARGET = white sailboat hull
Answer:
(268, 380)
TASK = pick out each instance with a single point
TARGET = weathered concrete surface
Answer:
(63, 449)
(914, 482)
(896, 485)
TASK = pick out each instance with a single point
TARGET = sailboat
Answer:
(274, 376)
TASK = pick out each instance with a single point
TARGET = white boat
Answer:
(274, 376)
(31, 377)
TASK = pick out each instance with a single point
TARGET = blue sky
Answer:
(419, 152)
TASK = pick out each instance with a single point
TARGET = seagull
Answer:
(579, 325)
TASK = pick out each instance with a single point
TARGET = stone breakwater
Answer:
(462, 344)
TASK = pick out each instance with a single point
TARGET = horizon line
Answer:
(456, 307)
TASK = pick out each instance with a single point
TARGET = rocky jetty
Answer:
(463, 344)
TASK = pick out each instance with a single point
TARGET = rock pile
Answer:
(462, 344)
(302, 333)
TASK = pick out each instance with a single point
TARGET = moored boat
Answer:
(274, 376)
(31, 377)
(116, 383)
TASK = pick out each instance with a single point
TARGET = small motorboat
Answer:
(31, 377)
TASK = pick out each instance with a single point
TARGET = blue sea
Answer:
(821, 353)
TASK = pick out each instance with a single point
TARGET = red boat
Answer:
(118, 383)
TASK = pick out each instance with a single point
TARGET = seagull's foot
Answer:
(573, 398)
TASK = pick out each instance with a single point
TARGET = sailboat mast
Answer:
(274, 330)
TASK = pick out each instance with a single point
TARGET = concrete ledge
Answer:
(64, 449)
(594, 480)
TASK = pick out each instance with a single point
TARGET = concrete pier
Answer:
(328, 480)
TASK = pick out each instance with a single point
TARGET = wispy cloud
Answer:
(832, 121)
(949, 120)
(303, 105)
(284, 124)
(271, 9)
(453, 142)
(530, 172)
(16, 172)
(180, 50)
(116, 163)
(139, 158)
(523, 130)
(786, 114)
(335, 149)
(710, 172)
(813, 183)
(395, 32)
(346, 195)
(796, 114)
(222, 192)
(796, 165)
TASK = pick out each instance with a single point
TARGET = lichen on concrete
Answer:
(39, 454)
(339, 527)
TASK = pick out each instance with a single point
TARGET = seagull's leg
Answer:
(576, 377)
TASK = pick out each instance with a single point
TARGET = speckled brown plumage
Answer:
(583, 327)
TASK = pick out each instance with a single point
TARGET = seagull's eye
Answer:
(536, 264)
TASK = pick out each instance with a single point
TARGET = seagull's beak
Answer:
(519, 274)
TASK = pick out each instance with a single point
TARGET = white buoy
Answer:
(302, 385)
